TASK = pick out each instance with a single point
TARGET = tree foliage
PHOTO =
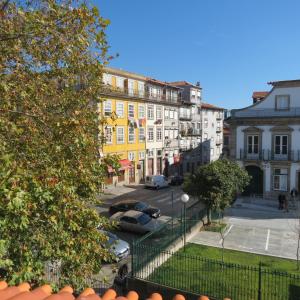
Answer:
(217, 183)
(52, 54)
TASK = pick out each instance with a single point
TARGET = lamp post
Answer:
(184, 198)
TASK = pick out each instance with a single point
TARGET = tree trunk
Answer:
(208, 216)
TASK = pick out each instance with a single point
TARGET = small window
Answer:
(108, 135)
(280, 179)
(131, 156)
(141, 134)
(131, 110)
(141, 111)
(150, 112)
(120, 109)
(158, 134)
(142, 155)
(131, 135)
(107, 108)
(158, 112)
(150, 134)
(282, 102)
(120, 135)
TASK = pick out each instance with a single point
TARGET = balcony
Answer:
(219, 116)
(193, 132)
(219, 141)
(218, 129)
(185, 116)
(135, 93)
(268, 155)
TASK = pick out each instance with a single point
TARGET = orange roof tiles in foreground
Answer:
(44, 292)
(261, 94)
(210, 106)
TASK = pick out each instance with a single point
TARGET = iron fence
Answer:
(214, 278)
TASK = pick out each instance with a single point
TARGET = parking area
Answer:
(257, 230)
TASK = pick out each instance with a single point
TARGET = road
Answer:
(159, 198)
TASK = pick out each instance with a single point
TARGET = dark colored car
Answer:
(176, 180)
(126, 205)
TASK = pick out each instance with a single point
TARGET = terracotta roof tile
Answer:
(23, 292)
(261, 94)
(184, 83)
(210, 106)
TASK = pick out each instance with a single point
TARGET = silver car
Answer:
(136, 221)
(120, 248)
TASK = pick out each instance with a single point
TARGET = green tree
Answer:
(216, 184)
(52, 54)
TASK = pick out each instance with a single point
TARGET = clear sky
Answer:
(233, 47)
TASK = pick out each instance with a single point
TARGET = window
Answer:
(120, 109)
(120, 135)
(107, 108)
(176, 115)
(150, 153)
(150, 112)
(150, 134)
(158, 113)
(108, 135)
(142, 155)
(252, 146)
(282, 102)
(141, 111)
(280, 179)
(131, 110)
(130, 134)
(166, 133)
(141, 134)
(205, 123)
(171, 114)
(166, 113)
(281, 144)
(158, 134)
(131, 156)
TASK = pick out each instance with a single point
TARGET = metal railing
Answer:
(136, 93)
(269, 155)
(217, 279)
(185, 116)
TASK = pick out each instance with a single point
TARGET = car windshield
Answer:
(141, 206)
(144, 219)
(111, 237)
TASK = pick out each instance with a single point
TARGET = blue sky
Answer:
(232, 47)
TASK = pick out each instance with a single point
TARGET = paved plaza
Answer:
(257, 228)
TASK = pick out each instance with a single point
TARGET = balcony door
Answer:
(252, 147)
(281, 147)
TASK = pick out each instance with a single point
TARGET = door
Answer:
(255, 186)
(142, 171)
(132, 175)
(159, 165)
(121, 176)
(150, 166)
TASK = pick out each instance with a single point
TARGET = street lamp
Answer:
(184, 198)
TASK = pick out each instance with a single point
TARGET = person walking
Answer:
(294, 194)
(286, 203)
(280, 202)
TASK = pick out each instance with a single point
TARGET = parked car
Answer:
(176, 180)
(156, 181)
(136, 221)
(126, 205)
(120, 248)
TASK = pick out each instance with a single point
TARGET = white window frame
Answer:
(142, 134)
(149, 130)
(131, 156)
(142, 155)
(141, 111)
(280, 180)
(108, 141)
(120, 141)
(118, 110)
(158, 134)
(279, 102)
(130, 111)
(131, 135)
(150, 112)
(167, 113)
(251, 145)
(281, 146)
(158, 113)
(107, 110)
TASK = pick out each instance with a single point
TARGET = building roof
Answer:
(285, 83)
(184, 83)
(260, 95)
(163, 83)
(210, 106)
(124, 73)
(23, 292)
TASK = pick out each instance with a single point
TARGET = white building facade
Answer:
(265, 140)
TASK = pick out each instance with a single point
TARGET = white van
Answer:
(156, 181)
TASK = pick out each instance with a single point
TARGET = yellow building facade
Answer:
(124, 111)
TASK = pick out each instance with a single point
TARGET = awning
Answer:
(125, 164)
